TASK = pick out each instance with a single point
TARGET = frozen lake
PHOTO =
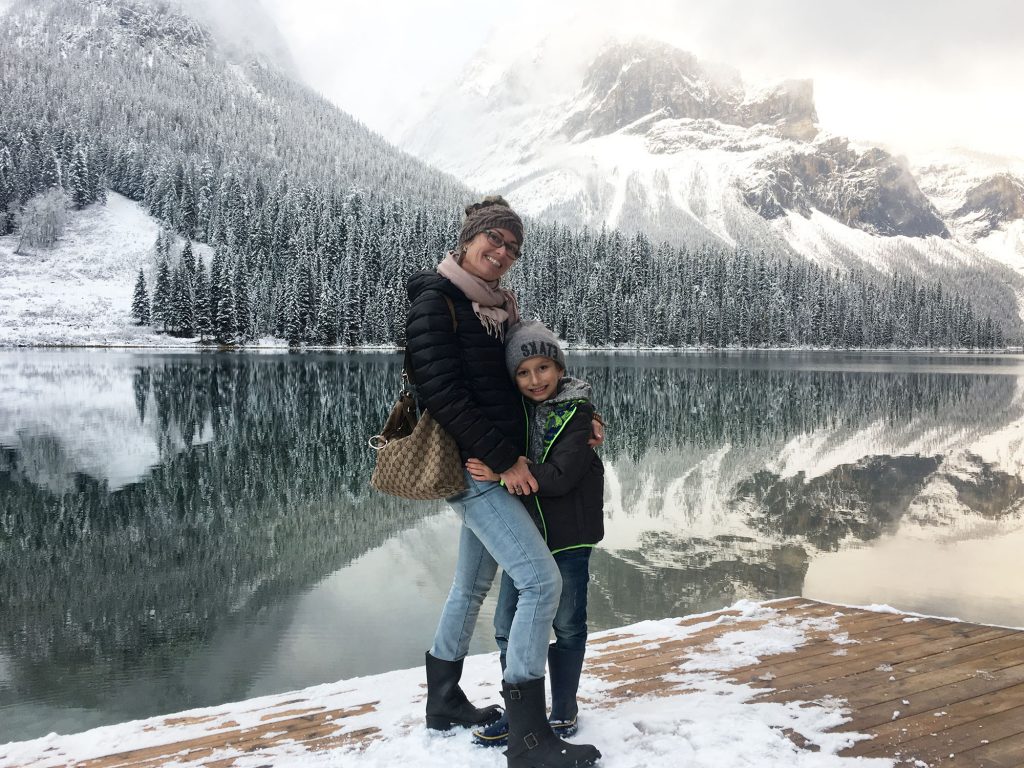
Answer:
(179, 530)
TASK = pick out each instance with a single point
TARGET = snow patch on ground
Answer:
(80, 291)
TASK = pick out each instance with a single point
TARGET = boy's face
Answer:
(537, 378)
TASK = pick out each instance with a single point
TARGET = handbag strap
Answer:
(407, 366)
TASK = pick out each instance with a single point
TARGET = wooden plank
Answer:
(799, 670)
(914, 675)
(793, 678)
(868, 632)
(1003, 753)
(292, 713)
(961, 703)
(961, 739)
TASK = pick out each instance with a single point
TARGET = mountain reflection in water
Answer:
(183, 530)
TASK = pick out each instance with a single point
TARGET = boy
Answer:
(568, 509)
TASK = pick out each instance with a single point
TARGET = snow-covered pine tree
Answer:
(291, 312)
(186, 301)
(216, 266)
(204, 323)
(244, 329)
(164, 240)
(330, 305)
(180, 305)
(204, 199)
(78, 186)
(162, 297)
(51, 175)
(226, 320)
(140, 301)
(8, 199)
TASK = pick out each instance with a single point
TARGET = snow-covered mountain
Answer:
(646, 137)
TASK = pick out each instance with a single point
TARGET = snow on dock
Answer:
(784, 683)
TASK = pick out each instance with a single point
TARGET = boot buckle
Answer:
(531, 741)
(515, 694)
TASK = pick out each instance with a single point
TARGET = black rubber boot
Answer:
(531, 742)
(447, 705)
(564, 669)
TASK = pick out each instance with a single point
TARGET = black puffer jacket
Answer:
(569, 507)
(460, 375)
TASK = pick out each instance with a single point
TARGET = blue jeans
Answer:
(497, 530)
(570, 620)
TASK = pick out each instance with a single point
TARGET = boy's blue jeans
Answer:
(570, 620)
(497, 530)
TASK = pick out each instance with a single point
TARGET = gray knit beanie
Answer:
(530, 338)
(493, 212)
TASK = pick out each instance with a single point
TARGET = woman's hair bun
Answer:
(487, 202)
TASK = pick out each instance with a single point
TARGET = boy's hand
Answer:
(480, 471)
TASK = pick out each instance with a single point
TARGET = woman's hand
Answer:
(480, 471)
(596, 433)
(518, 479)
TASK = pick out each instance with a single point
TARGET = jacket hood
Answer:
(570, 388)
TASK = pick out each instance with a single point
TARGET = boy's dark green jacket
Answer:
(569, 507)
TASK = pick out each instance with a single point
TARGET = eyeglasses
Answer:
(496, 240)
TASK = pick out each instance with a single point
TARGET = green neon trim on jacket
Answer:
(574, 546)
(536, 501)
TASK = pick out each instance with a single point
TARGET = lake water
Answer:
(181, 530)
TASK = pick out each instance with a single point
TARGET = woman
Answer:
(455, 332)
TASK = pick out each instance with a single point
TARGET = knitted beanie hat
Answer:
(493, 212)
(527, 339)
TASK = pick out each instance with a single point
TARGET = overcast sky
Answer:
(912, 74)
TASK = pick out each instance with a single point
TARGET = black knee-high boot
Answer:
(531, 742)
(564, 669)
(447, 705)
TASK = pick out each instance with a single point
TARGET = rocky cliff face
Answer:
(871, 191)
(630, 82)
(996, 201)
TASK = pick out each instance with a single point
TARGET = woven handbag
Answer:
(416, 458)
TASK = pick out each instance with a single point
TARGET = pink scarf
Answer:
(495, 306)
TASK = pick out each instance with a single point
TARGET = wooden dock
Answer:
(928, 691)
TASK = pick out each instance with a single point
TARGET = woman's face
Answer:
(486, 261)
